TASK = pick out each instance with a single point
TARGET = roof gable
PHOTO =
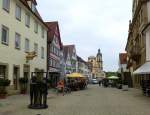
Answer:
(81, 60)
(53, 28)
(70, 48)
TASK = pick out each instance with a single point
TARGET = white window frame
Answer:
(18, 12)
(42, 52)
(6, 5)
(52, 62)
(36, 48)
(33, 7)
(27, 20)
(7, 35)
(18, 37)
(27, 45)
(35, 26)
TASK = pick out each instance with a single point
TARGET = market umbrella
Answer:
(113, 77)
(75, 75)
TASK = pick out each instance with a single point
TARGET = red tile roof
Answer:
(51, 31)
(123, 58)
(68, 49)
(65, 52)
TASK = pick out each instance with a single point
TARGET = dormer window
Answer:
(33, 7)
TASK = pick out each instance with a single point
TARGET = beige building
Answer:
(96, 65)
(23, 45)
(138, 43)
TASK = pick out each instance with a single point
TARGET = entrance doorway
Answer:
(54, 77)
(26, 74)
(16, 77)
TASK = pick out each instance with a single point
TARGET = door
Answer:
(16, 78)
(26, 73)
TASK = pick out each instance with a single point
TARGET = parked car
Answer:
(94, 81)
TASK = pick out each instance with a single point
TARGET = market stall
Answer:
(76, 81)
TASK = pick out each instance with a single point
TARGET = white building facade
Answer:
(22, 32)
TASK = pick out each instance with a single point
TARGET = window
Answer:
(27, 20)
(42, 32)
(35, 27)
(42, 52)
(50, 62)
(2, 71)
(17, 41)
(5, 35)
(53, 63)
(6, 5)
(33, 7)
(55, 39)
(18, 12)
(26, 45)
(52, 49)
(36, 48)
(51, 46)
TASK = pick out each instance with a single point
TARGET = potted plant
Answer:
(3, 84)
(23, 85)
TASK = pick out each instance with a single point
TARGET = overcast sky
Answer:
(91, 24)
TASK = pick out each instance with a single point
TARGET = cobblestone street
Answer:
(93, 101)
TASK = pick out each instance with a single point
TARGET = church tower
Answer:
(96, 66)
(99, 60)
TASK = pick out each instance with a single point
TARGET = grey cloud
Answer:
(91, 24)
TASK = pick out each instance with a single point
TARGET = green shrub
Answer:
(4, 82)
(23, 80)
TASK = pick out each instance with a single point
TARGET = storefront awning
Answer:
(144, 69)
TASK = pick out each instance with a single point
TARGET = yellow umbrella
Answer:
(75, 75)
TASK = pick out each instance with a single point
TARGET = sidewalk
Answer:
(15, 102)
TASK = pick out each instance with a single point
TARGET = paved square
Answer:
(93, 101)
